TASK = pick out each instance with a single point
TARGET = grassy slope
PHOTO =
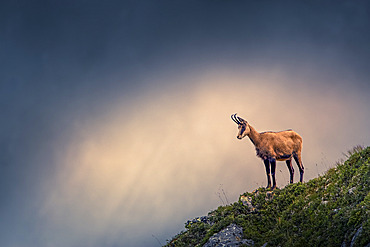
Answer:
(325, 211)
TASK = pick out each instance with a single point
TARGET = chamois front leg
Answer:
(267, 166)
(273, 168)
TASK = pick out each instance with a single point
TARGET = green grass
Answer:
(325, 211)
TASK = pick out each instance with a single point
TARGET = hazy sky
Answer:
(115, 115)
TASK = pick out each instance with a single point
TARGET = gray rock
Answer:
(247, 201)
(203, 219)
(231, 236)
(350, 191)
(269, 195)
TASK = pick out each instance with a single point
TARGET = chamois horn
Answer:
(241, 120)
(235, 118)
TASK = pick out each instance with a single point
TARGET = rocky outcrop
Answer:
(247, 201)
(231, 236)
(203, 219)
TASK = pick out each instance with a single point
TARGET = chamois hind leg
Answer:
(267, 166)
(298, 160)
(291, 169)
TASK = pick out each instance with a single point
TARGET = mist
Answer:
(149, 164)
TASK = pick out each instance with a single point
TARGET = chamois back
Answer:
(279, 145)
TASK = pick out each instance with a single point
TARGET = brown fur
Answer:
(278, 145)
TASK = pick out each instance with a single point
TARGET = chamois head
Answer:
(243, 126)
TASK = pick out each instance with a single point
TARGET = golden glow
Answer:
(160, 158)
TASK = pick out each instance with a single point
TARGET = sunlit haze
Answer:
(172, 154)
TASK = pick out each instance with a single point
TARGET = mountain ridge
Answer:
(330, 210)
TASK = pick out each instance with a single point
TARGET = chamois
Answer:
(273, 146)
